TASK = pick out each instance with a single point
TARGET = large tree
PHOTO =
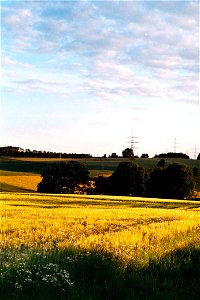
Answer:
(63, 178)
(174, 182)
(128, 153)
(128, 180)
(179, 181)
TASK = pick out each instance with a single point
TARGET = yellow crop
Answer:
(23, 181)
(128, 228)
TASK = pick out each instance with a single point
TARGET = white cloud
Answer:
(113, 55)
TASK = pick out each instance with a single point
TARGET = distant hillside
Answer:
(100, 166)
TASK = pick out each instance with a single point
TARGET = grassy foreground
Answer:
(98, 247)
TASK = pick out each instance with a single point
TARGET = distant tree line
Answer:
(172, 155)
(20, 152)
(175, 181)
(129, 179)
(126, 153)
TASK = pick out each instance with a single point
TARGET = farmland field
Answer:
(98, 247)
(34, 166)
(18, 181)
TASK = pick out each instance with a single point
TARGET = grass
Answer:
(98, 247)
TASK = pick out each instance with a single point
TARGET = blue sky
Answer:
(83, 76)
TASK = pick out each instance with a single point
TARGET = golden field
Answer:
(128, 228)
(98, 247)
(18, 181)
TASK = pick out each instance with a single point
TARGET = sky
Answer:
(87, 76)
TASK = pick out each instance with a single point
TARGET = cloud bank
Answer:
(110, 55)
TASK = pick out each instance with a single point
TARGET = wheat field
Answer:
(130, 228)
(18, 181)
(68, 232)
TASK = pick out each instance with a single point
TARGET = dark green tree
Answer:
(101, 186)
(195, 171)
(128, 153)
(63, 178)
(156, 183)
(161, 163)
(198, 157)
(179, 181)
(128, 180)
(174, 182)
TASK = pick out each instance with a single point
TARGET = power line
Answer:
(132, 142)
(195, 152)
(175, 144)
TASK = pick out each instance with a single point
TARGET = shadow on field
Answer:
(4, 187)
(23, 166)
(105, 204)
(97, 275)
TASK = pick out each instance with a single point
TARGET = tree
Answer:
(174, 182)
(179, 181)
(173, 155)
(128, 179)
(156, 183)
(101, 186)
(128, 153)
(144, 155)
(195, 171)
(63, 178)
(161, 163)
(198, 157)
(114, 155)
